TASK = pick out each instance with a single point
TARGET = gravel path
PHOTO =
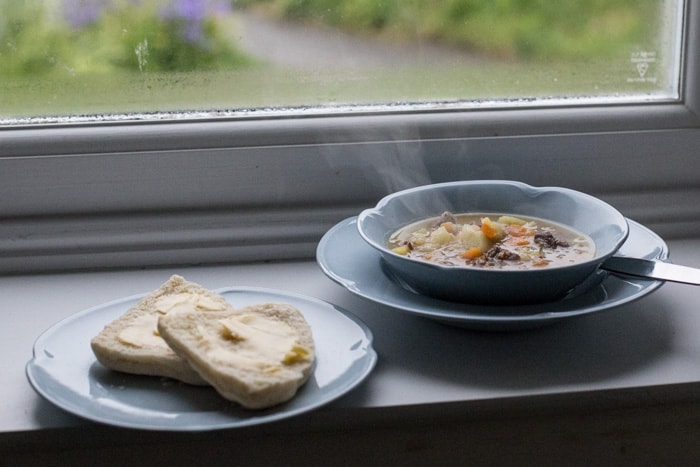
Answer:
(294, 45)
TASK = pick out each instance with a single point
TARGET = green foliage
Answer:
(27, 44)
(128, 35)
(370, 14)
(511, 29)
(138, 37)
(359, 14)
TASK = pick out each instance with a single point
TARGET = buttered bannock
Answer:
(257, 356)
(132, 344)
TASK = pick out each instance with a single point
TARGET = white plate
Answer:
(348, 260)
(65, 372)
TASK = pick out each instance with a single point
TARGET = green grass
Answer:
(263, 86)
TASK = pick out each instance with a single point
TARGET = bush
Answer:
(28, 44)
(522, 29)
(104, 35)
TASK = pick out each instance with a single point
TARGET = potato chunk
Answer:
(471, 236)
(511, 220)
(441, 236)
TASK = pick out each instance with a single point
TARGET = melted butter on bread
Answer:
(257, 356)
(255, 341)
(143, 331)
(186, 301)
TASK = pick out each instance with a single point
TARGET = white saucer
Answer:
(348, 260)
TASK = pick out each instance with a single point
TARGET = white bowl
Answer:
(589, 215)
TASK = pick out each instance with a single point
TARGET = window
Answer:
(266, 185)
(73, 60)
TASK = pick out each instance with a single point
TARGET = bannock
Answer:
(131, 343)
(257, 356)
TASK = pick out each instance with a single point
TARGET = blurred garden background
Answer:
(77, 57)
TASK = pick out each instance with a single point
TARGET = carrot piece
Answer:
(518, 241)
(471, 253)
(488, 230)
(519, 231)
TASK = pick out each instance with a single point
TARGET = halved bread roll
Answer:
(131, 343)
(257, 356)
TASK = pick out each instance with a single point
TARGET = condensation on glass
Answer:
(124, 59)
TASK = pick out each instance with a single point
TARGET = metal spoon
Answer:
(652, 269)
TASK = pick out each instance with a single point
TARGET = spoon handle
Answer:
(652, 269)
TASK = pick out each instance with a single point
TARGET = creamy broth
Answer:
(492, 241)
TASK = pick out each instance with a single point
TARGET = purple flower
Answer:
(190, 10)
(189, 16)
(195, 10)
(193, 13)
(80, 13)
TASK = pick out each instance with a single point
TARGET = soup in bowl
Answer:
(493, 242)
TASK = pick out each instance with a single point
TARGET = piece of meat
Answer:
(548, 240)
(496, 252)
(446, 217)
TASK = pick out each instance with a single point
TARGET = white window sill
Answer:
(643, 358)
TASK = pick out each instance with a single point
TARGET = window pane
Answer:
(149, 59)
